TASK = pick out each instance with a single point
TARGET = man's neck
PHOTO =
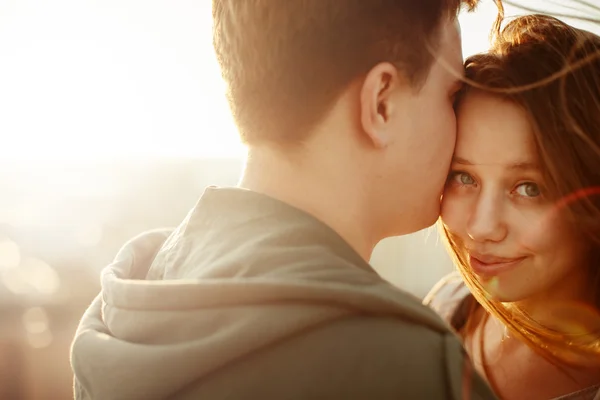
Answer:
(317, 190)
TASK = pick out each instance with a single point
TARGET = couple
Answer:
(265, 291)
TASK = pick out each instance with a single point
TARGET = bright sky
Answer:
(94, 79)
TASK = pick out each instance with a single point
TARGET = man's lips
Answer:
(487, 265)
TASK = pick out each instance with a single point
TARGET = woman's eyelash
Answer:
(462, 178)
(455, 174)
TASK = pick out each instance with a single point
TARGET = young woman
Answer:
(521, 213)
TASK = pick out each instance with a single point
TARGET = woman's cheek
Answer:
(541, 230)
(453, 213)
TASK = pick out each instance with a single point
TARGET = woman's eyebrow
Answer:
(519, 165)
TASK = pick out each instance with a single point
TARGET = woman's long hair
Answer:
(552, 71)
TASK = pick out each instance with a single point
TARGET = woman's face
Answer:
(495, 207)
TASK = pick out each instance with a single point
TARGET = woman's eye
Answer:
(463, 178)
(528, 189)
(466, 179)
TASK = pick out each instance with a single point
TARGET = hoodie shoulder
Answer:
(355, 358)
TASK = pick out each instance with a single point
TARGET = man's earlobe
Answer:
(381, 140)
(375, 99)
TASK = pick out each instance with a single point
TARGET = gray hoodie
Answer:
(250, 298)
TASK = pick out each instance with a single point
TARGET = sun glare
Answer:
(91, 80)
(83, 80)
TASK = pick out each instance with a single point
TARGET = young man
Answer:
(264, 291)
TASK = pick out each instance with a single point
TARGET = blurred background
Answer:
(112, 121)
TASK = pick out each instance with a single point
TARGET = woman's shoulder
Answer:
(450, 288)
(451, 299)
(591, 393)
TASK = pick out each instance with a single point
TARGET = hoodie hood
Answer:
(242, 271)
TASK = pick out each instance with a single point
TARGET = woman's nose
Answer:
(486, 222)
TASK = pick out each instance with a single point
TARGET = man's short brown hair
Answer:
(287, 61)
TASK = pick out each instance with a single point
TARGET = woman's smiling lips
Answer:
(488, 265)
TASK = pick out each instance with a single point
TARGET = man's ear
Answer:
(377, 102)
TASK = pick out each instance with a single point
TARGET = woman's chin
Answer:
(498, 290)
